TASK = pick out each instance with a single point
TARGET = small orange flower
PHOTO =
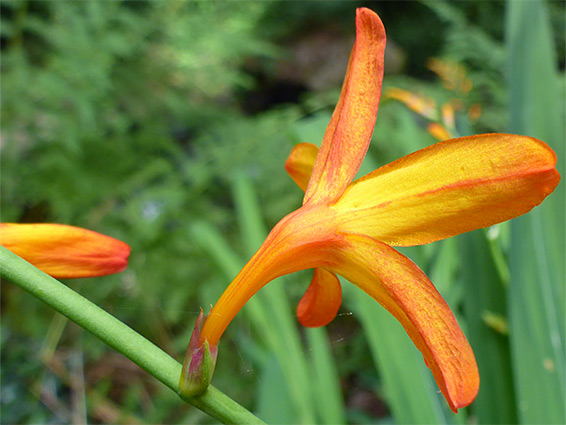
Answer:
(418, 103)
(452, 74)
(349, 228)
(65, 251)
(438, 131)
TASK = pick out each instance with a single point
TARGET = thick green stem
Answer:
(117, 335)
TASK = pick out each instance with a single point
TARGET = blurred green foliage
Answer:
(166, 124)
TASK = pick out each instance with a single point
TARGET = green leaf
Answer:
(272, 396)
(536, 296)
(485, 299)
(326, 383)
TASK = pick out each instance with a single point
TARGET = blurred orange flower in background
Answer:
(65, 251)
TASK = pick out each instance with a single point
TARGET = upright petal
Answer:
(450, 188)
(321, 301)
(65, 251)
(404, 290)
(347, 137)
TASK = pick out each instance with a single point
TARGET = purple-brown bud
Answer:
(199, 363)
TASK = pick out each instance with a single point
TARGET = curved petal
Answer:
(347, 137)
(450, 188)
(323, 297)
(302, 240)
(300, 163)
(404, 290)
(321, 301)
(65, 251)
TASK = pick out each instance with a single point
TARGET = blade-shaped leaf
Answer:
(536, 296)
(272, 396)
(326, 384)
(485, 300)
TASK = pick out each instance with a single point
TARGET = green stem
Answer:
(117, 335)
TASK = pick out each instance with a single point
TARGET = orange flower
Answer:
(65, 251)
(349, 228)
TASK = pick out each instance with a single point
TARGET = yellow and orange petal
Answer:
(321, 301)
(347, 137)
(404, 290)
(300, 163)
(65, 251)
(450, 188)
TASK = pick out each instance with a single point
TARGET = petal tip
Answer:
(465, 397)
(321, 301)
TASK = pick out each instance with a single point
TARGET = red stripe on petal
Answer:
(450, 188)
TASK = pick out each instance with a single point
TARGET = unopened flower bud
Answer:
(199, 363)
